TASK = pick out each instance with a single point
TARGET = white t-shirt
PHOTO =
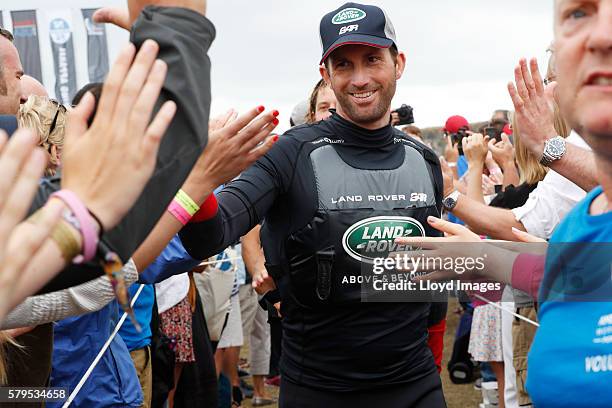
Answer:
(551, 200)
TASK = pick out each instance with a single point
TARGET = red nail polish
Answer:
(260, 108)
(275, 138)
(275, 121)
(275, 113)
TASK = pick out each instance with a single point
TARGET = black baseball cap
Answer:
(355, 23)
(8, 123)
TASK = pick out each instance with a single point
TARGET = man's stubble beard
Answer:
(599, 142)
(377, 113)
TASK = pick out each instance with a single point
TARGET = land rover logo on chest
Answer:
(375, 237)
(348, 15)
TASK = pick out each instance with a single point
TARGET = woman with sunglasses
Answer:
(47, 118)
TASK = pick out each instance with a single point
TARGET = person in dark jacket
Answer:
(323, 192)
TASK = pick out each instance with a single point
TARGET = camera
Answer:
(457, 139)
(493, 133)
(405, 114)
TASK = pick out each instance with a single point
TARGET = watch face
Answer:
(556, 147)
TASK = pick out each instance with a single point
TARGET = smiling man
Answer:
(11, 72)
(575, 369)
(319, 239)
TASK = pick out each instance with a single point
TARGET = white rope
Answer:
(217, 261)
(93, 365)
(101, 353)
(507, 310)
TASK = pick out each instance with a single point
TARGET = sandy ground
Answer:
(457, 396)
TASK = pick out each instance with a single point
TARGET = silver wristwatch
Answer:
(554, 149)
(450, 201)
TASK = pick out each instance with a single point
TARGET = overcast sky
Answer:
(460, 53)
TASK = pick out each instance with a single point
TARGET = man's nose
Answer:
(600, 37)
(360, 78)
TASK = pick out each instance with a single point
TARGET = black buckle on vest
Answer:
(325, 262)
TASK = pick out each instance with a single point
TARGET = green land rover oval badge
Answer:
(375, 237)
(348, 15)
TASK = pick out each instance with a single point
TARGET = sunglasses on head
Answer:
(59, 107)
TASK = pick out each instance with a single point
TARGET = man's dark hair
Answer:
(392, 50)
(312, 101)
(6, 34)
(412, 130)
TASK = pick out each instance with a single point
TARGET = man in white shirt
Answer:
(554, 197)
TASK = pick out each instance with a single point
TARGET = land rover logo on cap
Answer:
(375, 237)
(348, 15)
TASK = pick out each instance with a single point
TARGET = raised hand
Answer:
(124, 18)
(533, 114)
(234, 146)
(502, 151)
(451, 153)
(108, 164)
(475, 149)
(118, 16)
(22, 165)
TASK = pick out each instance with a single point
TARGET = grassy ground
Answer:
(457, 396)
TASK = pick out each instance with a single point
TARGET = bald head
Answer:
(10, 78)
(31, 86)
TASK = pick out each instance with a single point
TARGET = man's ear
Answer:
(324, 74)
(401, 64)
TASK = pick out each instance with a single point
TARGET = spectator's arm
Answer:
(494, 222)
(511, 175)
(252, 252)
(85, 298)
(578, 166)
(173, 260)
(474, 183)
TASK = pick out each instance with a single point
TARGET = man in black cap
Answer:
(333, 196)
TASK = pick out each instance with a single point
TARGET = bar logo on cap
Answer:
(348, 15)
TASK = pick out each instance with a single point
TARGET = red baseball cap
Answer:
(454, 123)
(507, 129)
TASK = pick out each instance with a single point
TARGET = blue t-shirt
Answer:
(143, 311)
(570, 362)
(173, 260)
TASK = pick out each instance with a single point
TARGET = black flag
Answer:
(97, 49)
(25, 31)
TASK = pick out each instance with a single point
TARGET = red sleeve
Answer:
(435, 342)
(527, 273)
(207, 210)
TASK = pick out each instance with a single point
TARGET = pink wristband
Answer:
(179, 212)
(86, 224)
